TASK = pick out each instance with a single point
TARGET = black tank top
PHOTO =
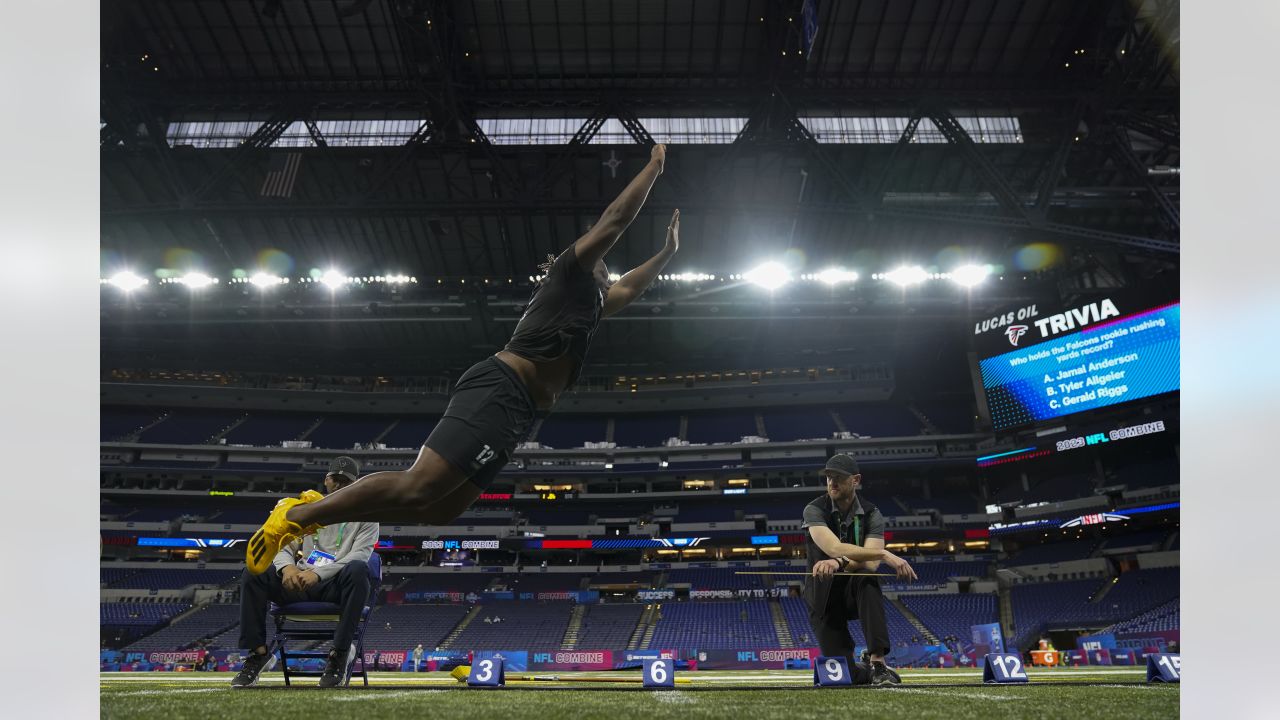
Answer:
(562, 316)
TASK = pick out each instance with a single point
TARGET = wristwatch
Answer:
(843, 561)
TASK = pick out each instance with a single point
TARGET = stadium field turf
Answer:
(1082, 693)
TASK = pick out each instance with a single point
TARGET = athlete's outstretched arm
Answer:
(632, 285)
(591, 248)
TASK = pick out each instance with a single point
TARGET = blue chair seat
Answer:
(306, 608)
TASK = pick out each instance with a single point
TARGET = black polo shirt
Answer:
(853, 527)
(863, 521)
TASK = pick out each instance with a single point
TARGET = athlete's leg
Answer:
(440, 512)
(385, 496)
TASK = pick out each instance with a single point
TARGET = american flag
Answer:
(281, 174)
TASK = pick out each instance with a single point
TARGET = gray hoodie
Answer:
(346, 542)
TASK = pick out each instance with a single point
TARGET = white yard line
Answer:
(361, 695)
(173, 691)
(951, 693)
(673, 697)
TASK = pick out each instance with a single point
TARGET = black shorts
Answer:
(491, 411)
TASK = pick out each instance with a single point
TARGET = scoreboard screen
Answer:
(1081, 359)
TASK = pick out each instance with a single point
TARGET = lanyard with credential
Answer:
(341, 529)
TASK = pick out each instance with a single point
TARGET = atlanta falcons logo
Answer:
(1014, 333)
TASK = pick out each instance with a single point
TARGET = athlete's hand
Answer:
(673, 232)
(900, 566)
(824, 569)
(659, 155)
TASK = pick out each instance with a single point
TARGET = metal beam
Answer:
(420, 137)
(1123, 153)
(999, 187)
(1053, 172)
(563, 161)
(1153, 127)
(876, 196)
(261, 139)
(419, 208)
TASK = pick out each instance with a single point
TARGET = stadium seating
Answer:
(952, 614)
(1140, 590)
(1165, 616)
(608, 626)
(164, 513)
(525, 625)
(714, 579)
(937, 573)
(544, 582)
(949, 418)
(400, 627)
(160, 579)
(706, 512)
(440, 582)
(270, 429)
(571, 431)
(723, 426)
(190, 427)
(267, 428)
(116, 423)
(641, 578)
(139, 614)
(204, 622)
(715, 625)
(410, 432)
(1040, 604)
(342, 432)
(645, 430)
(1051, 553)
(879, 420)
(1148, 541)
(798, 424)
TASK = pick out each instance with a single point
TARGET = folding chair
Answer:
(317, 621)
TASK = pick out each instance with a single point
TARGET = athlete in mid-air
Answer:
(497, 400)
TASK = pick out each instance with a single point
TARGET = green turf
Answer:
(174, 696)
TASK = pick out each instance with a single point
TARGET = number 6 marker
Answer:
(659, 673)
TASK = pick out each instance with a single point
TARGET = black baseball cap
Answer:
(843, 464)
(344, 466)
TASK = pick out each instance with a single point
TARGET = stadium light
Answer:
(970, 275)
(833, 276)
(396, 279)
(196, 280)
(127, 281)
(334, 279)
(265, 280)
(906, 275)
(770, 275)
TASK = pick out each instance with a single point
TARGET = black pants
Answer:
(851, 598)
(349, 589)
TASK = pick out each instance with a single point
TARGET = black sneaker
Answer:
(337, 669)
(252, 668)
(882, 674)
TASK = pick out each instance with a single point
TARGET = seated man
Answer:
(328, 566)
